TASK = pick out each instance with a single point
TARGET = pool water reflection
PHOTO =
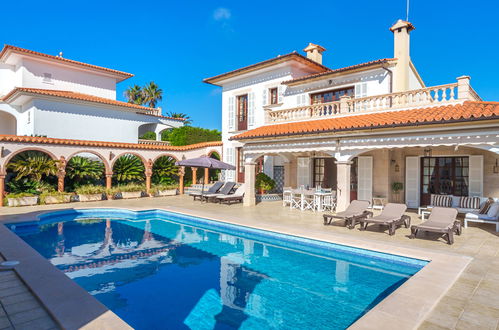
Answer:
(158, 273)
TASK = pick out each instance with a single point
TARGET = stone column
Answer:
(181, 173)
(249, 181)
(206, 175)
(194, 174)
(148, 173)
(2, 188)
(109, 177)
(343, 189)
(287, 174)
(61, 174)
(463, 88)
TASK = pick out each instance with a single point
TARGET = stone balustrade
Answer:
(430, 96)
(154, 142)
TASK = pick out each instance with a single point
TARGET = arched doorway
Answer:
(164, 171)
(128, 168)
(8, 124)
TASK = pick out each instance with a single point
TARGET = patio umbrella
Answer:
(205, 162)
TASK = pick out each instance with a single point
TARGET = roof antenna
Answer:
(407, 11)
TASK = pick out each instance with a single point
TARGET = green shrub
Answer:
(20, 195)
(397, 186)
(90, 189)
(148, 136)
(126, 188)
(157, 187)
(60, 196)
(185, 135)
(128, 169)
(264, 182)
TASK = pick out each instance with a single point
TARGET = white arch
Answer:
(8, 123)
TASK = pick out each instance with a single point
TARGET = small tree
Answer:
(82, 171)
(185, 135)
(396, 188)
(264, 183)
(164, 171)
(128, 168)
(148, 136)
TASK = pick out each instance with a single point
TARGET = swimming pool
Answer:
(157, 269)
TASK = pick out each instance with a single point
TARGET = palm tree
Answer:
(81, 169)
(180, 115)
(152, 94)
(135, 95)
(164, 170)
(34, 165)
(128, 168)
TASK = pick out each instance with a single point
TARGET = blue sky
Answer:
(178, 43)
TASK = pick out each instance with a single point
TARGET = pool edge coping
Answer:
(406, 308)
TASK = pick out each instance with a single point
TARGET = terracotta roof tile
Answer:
(86, 143)
(80, 97)
(7, 48)
(347, 68)
(468, 111)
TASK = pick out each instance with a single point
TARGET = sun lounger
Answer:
(441, 220)
(356, 211)
(232, 198)
(212, 190)
(391, 216)
(226, 189)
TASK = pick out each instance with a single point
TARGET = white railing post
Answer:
(344, 104)
(463, 88)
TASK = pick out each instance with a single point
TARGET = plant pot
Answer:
(131, 194)
(22, 201)
(167, 192)
(90, 197)
(57, 199)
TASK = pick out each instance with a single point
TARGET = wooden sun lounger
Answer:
(356, 211)
(235, 197)
(441, 220)
(392, 216)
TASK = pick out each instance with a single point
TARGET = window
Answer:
(331, 95)
(274, 95)
(242, 112)
(47, 77)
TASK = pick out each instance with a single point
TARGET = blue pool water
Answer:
(162, 270)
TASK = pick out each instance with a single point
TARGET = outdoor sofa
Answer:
(489, 215)
(392, 216)
(441, 220)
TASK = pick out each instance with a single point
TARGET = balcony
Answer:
(431, 96)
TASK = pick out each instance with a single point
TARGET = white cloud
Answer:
(221, 14)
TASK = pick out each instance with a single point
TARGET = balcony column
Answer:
(181, 173)
(344, 108)
(343, 181)
(109, 177)
(206, 175)
(194, 175)
(249, 181)
(61, 174)
(287, 174)
(2, 189)
(463, 88)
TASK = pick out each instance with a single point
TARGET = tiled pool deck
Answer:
(471, 302)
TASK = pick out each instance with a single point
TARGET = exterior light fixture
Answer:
(427, 152)
(496, 168)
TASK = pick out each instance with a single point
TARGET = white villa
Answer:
(45, 95)
(358, 129)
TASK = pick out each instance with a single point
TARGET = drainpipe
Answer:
(390, 73)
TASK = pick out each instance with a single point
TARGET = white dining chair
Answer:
(287, 195)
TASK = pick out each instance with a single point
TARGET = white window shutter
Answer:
(280, 92)
(303, 171)
(265, 98)
(412, 178)
(361, 91)
(475, 187)
(365, 178)
(298, 100)
(304, 99)
(230, 159)
(231, 114)
(251, 109)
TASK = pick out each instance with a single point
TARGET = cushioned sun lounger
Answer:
(441, 220)
(212, 190)
(391, 216)
(226, 189)
(232, 198)
(355, 211)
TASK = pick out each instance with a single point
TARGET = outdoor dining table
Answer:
(316, 197)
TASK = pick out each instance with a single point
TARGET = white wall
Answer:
(68, 79)
(85, 122)
(8, 123)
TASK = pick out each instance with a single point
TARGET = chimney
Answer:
(401, 50)
(314, 52)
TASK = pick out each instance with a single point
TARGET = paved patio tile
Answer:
(26, 316)
(42, 323)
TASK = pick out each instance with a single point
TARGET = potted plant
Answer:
(127, 191)
(264, 183)
(396, 188)
(88, 193)
(54, 197)
(164, 190)
(22, 199)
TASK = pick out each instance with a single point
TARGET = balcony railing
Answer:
(154, 142)
(430, 96)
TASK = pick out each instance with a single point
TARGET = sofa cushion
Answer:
(475, 216)
(441, 200)
(469, 202)
(493, 210)
(485, 207)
